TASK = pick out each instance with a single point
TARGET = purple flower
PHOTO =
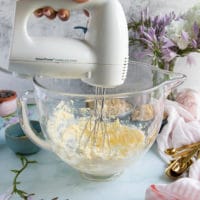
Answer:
(167, 43)
(147, 42)
(152, 34)
(194, 43)
(159, 23)
(156, 20)
(148, 36)
(168, 55)
(141, 29)
(185, 36)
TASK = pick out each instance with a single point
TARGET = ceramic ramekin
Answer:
(8, 102)
(18, 142)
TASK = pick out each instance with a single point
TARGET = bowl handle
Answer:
(25, 124)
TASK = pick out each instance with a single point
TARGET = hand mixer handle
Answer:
(49, 55)
(101, 59)
(24, 8)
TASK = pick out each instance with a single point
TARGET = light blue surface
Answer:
(1, 122)
(51, 177)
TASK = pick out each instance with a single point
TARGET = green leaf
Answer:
(32, 194)
(14, 171)
(21, 192)
(23, 160)
(32, 161)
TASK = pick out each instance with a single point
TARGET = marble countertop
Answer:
(50, 177)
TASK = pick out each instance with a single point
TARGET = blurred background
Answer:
(45, 27)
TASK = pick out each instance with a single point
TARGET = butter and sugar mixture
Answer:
(84, 137)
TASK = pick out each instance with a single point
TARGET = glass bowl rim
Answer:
(177, 76)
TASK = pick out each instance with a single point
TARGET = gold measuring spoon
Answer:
(172, 151)
(183, 159)
(177, 168)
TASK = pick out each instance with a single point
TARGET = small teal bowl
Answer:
(18, 142)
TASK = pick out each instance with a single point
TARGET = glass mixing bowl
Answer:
(100, 135)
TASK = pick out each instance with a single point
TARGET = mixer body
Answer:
(100, 59)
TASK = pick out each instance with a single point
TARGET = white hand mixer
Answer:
(101, 59)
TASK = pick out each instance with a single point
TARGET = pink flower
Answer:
(190, 100)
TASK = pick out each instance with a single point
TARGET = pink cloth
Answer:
(182, 189)
(183, 128)
(190, 100)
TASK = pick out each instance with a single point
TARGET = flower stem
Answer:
(25, 162)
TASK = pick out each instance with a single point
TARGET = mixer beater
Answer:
(108, 130)
(95, 129)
